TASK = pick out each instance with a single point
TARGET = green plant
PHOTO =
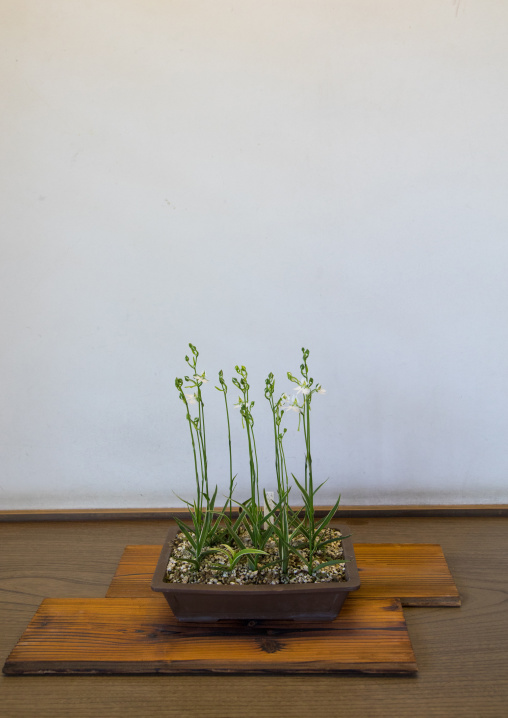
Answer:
(245, 406)
(286, 518)
(224, 389)
(233, 556)
(196, 424)
(254, 519)
(309, 529)
(204, 527)
(214, 531)
(257, 525)
(201, 535)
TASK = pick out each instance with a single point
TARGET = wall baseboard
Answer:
(455, 510)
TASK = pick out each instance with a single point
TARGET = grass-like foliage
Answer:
(233, 556)
(214, 531)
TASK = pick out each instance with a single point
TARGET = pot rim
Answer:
(352, 582)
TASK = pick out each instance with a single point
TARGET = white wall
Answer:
(252, 176)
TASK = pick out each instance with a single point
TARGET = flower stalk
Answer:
(246, 537)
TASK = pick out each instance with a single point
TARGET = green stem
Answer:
(251, 466)
(257, 468)
(284, 469)
(310, 487)
(230, 458)
(203, 441)
(191, 426)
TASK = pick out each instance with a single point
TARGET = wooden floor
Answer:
(462, 653)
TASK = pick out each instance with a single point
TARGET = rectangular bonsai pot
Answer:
(298, 602)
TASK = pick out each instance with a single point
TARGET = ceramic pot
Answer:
(217, 602)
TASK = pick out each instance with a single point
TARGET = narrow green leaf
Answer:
(329, 563)
(186, 531)
(321, 544)
(324, 523)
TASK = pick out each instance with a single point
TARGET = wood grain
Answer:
(381, 511)
(416, 573)
(140, 635)
(461, 653)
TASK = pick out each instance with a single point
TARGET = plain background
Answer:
(253, 176)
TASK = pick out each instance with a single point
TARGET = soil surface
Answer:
(214, 568)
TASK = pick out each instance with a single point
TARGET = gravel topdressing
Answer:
(179, 571)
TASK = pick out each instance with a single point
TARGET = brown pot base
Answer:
(297, 602)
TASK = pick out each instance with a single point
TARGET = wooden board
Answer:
(140, 635)
(416, 573)
(375, 511)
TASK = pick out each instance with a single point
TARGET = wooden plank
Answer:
(416, 573)
(461, 653)
(134, 572)
(381, 511)
(140, 635)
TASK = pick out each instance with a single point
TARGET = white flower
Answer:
(292, 407)
(191, 398)
(201, 377)
(239, 403)
(321, 390)
(303, 388)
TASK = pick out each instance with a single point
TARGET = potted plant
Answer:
(258, 558)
